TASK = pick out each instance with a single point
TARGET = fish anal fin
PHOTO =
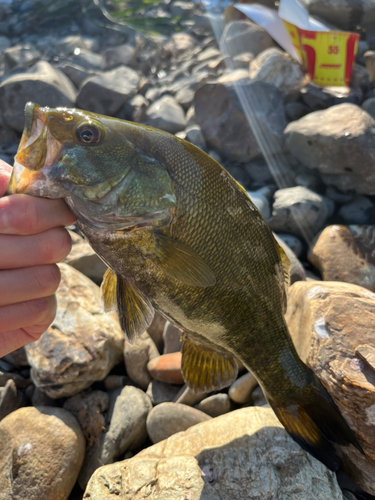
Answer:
(205, 370)
(108, 291)
(135, 311)
(180, 262)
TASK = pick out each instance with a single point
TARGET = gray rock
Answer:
(172, 337)
(122, 55)
(297, 271)
(107, 92)
(296, 110)
(337, 196)
(83, 258)
(298, 210)
(127, 430)
(315, 97)
(20, 381)
(369, 57)
(360, 79)
(136, 357)
(167, 419)
(4, 43)
(180, 43)
(244, 36)
(76, 74)
(180, 8)
(360, 210)
(243, 455)
(215, 405)
(185, 97)
(240, 61)
(40, 398)
(41, 453)
(20, 56)
(68, 44)
(88, 409)
(161, 392)
(134, 109)
(195, 136)
(369, 106)
(294, 243)
(339, 142)
(113, 382)
(83, 343)
(155, 330)
(346, 16)
(87, 60)
(279, 68)
(42, 83)
(261, 199)
(10, 399)
(187, 396)
(241, 389)
(166, 114)
(257, 397)
(225, 126)
(154, 93)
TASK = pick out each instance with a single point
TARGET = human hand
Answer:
(32, 240)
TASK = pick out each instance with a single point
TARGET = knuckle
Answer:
(24, 215)
(47, 278)
(57, 244)
(42, 310)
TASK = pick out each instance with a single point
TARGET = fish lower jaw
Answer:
(113, 222)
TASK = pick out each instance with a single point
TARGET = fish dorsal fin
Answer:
(135, 311)
(204, 369)
(180, 262)
(108, 292)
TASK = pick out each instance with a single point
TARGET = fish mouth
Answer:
(37, 150)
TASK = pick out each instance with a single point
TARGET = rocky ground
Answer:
(86, 415)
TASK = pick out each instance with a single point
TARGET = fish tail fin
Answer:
(317, 425)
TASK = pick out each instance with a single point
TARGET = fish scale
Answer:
(195, 248)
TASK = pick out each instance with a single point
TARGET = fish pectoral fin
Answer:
(108, 291)
(181, 263)
(135, 311)
(204, 369)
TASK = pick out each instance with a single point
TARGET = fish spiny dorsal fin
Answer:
(180, 262)
(205, 370)
(108, 289)
(135, 311)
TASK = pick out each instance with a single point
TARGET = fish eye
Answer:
(88, 134)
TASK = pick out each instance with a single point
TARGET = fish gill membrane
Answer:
(129, 185)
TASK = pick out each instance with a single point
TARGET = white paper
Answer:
(271, 22)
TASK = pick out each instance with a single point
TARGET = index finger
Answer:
(25, 215)
(5, 171)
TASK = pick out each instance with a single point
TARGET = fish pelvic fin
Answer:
(135, 311)
(204, 369)
(317, 425)
(108, 291)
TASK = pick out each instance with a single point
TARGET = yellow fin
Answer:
(135, 311)
(205, 370)
(180, 262)
(108, 292)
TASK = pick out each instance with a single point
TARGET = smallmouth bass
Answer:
(180, 236)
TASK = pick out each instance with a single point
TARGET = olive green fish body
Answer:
(181, 236)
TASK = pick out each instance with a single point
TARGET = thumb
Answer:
(5, 171)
